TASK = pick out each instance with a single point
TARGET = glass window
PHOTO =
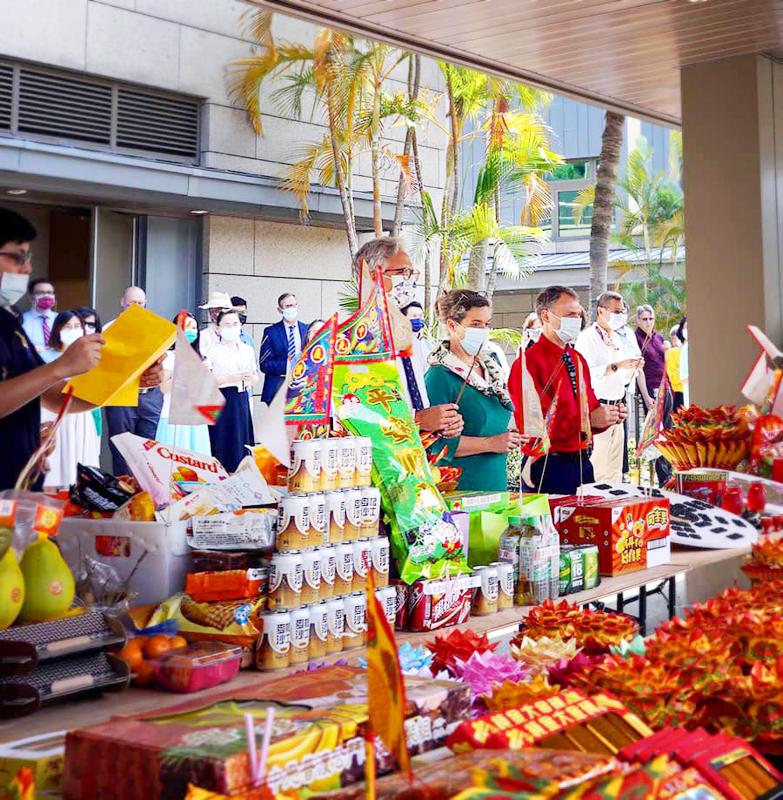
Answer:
(570, 171)
(572, 220)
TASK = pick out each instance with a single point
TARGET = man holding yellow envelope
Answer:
(26, 383)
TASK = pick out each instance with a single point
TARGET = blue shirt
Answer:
(33, 326)
(20, 431)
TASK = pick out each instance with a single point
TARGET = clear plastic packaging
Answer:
(532, 545)
(198, 666)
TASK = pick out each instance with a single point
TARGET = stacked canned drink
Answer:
(327, 543)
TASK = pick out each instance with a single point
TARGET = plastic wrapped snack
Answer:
(96, 490)
(197, 666)
(368, 401)
(232, 621)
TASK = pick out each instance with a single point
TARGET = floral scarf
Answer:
(493, 382)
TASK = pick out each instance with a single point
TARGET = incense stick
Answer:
(265, 742)
(252, 752)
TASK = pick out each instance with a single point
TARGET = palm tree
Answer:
(347, 76)
(603, 202)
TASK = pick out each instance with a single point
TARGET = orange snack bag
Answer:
(232, 584)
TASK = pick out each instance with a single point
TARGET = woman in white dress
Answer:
(233, 363)
(185, 437)
(78, 440)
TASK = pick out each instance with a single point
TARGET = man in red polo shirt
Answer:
(552, 364)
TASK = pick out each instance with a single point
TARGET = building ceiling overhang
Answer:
(621, 54)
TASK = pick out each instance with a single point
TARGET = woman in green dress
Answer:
(482, 449)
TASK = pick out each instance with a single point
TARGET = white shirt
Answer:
(630, 345)
(600, 349)
(208, 338)
(33, 326)
(235, 357)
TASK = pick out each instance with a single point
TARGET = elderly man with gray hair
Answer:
(611, 371)
(399, 283)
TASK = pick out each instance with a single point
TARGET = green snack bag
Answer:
(368, 400)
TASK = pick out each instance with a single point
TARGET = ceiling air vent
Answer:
(55, 105)
(6, 95)
(157, 124)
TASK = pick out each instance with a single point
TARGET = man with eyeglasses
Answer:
(38, 321)
(399, 281)
(26, 383)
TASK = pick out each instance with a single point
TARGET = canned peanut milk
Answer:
(380, 560)
(304, 474)
(336, 625)
(285, 580)
(346, 463)
(328, 572)
(505, 584)
(355, 609)
(353, 515)
(485, 600)
(362, 564)
(319, 630)
(335, 516)
(318, 521)
(343, 580)
(300, 635)
(363, 460)
(294, 530)
(330, 453)
(371, 510)
(274, 644)
(311, 580)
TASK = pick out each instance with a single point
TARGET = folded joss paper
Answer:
(540, 654)
(134, 342)
(457, 646)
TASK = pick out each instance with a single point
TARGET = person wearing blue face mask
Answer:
(185, 437)
(415, 313)
(481, 451)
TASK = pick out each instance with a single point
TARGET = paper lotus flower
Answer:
(594, 631)
(563, 671)
(482, 671)
(457, 645)
(540, 654)
(636, 647)
(513, 695)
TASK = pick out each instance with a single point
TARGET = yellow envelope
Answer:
(134, 341)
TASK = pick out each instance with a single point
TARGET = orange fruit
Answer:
(157, 645)
(132, 653)
(177, 642)
(144, 674)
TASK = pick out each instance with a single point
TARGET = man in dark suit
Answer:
(282, 344)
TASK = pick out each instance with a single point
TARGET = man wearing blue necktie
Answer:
(281, 346)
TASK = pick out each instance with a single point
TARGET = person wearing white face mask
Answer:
(26, 382)
(554, 366)
(78, 439)
(281, 346)
(234, 365)
(399, 282)
(610, 373)
(482, 449)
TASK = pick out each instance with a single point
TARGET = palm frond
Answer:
(348, 299)
(509, 337)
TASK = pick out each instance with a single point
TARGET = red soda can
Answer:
(401, 606)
